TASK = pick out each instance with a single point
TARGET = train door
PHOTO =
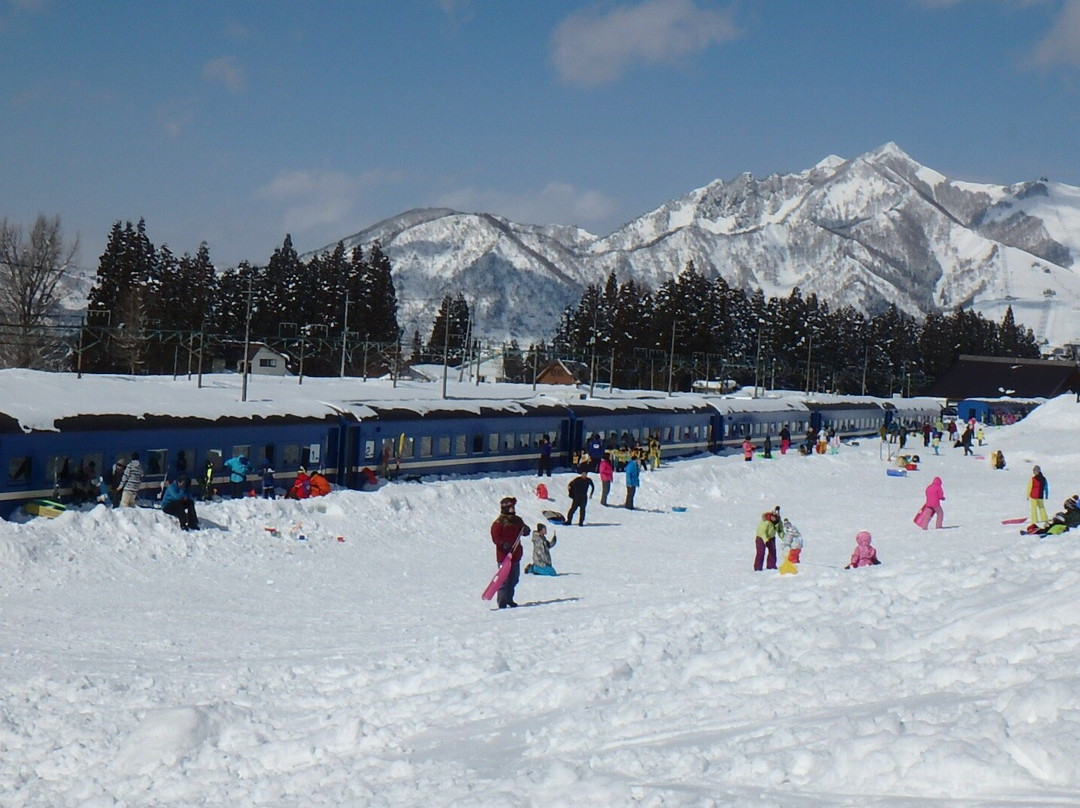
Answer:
(570, 440)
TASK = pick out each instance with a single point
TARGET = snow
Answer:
(229, 666)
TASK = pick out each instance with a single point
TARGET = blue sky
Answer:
(237, 122)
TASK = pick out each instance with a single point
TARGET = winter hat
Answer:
(506, 504)
(863, 537)
(1036, 470)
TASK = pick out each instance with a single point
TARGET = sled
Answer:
(896, 472)
(541, 491)
(44, 507)
(554, 517)
(922, 518)
(499, 578)
(787, 568)
(679, 508)
(1018, 521)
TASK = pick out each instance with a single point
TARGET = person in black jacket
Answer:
(580, 489)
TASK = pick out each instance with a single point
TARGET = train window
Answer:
(155, 461)
(18, 469)
(459, 445)
(310, 456)
(478, 444)
(537, 438)
(425, 445)
(444, 445)
(184, 460)
(241, 450)
(523, 440)
(508, 442)
(493, 442)
(58, 469)
(290, 455)
(213, 459)
(408, 448)
(267, 453)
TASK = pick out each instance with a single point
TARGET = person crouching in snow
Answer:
(791, 542)
(541, 562)
(864, 555)
(765, 540)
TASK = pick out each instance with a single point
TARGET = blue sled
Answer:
(896, 472)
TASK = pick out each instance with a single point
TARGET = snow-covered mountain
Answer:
(877, 229)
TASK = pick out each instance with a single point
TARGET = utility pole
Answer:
(344, 334)
(247, 342)
(671, 357)
(445, 348)
(809, 353)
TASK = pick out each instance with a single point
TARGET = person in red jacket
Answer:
(1037, 494)
(506, 534)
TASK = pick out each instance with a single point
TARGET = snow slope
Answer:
(145, 666)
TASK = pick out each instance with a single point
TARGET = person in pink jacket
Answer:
(607, 474)
(934, 497)
(864, 555)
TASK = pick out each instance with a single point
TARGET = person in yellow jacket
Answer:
(765, 541)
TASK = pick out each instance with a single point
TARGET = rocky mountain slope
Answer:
(869, 231)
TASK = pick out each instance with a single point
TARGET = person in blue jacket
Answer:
(239, 469)
(177, 501)
(633, 479)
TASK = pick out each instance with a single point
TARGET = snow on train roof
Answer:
(38, 400)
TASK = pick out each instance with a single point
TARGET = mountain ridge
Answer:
(876, 229)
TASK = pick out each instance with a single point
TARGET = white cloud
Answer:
(591, 47)
(226, 71)
(321, 199)
(1062, 44)
(556, 203)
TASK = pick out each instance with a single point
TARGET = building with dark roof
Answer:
(995, 376)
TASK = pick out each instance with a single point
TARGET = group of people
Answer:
(121, 487)
(581, 488)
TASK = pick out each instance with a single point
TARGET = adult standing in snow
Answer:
(580, 489)
(965, 440)
(239, 468)
(507, 531)
(130, 481)
(595, 450)
(1037, 494)
(544, 464)
(765, 540)
(116, 476)
(607, 474)
(766, 447)
(269, 483)
(633, 480)
(785, 439)
(177, 501)
(747, 450)
(935, 494)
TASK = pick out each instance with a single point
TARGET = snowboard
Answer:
(499, 578)
(922, 518)
(555, 517)
(1018, 521)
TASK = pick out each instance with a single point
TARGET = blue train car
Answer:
(415, 438)
(740, 418)
(682, 424)
(63, 462)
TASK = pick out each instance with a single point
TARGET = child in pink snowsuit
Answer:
(864, 555)
(934, 496)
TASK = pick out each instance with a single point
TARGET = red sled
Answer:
(1018, 521)
(922, 518)
(541, 491)
(501, 574)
